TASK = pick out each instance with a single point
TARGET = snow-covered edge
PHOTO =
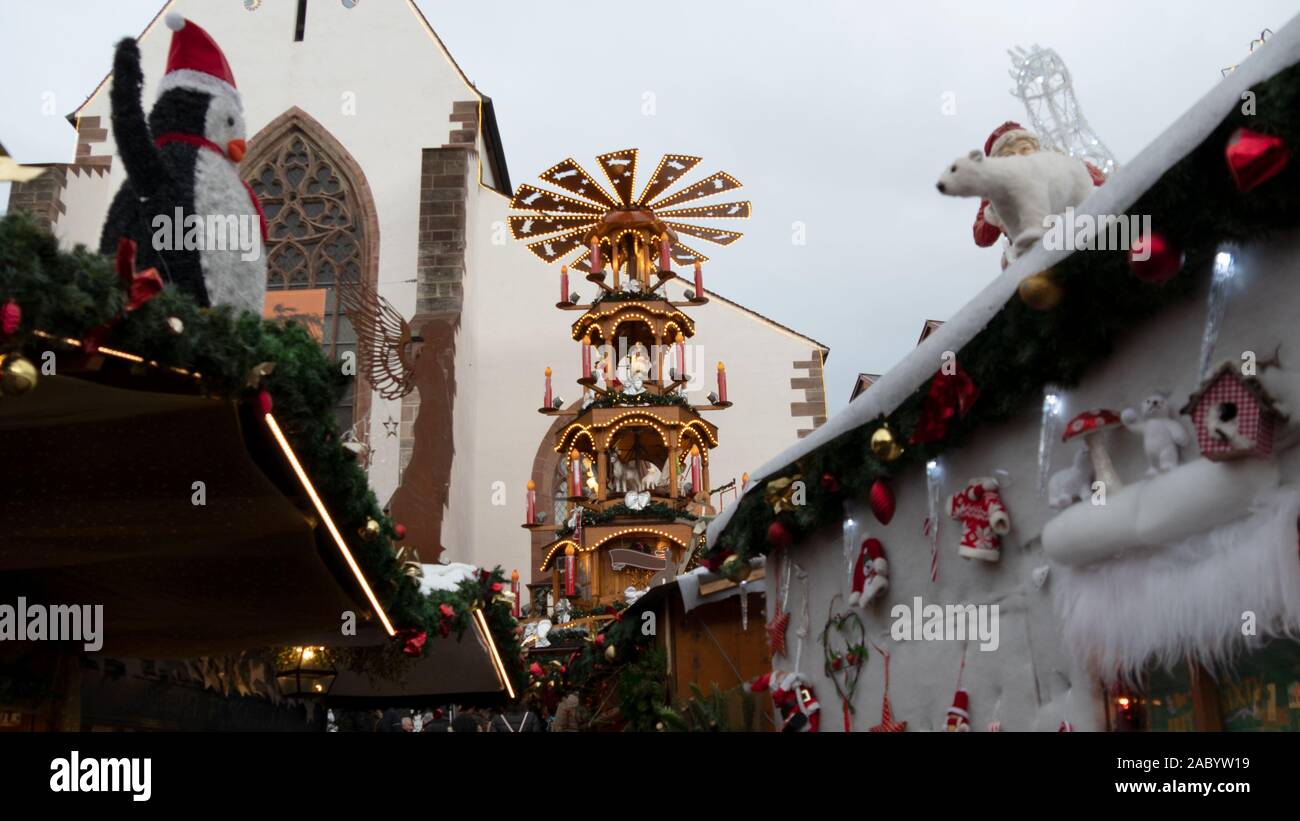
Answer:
(1123, 188)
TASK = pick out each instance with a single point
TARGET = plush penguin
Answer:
(184, 204)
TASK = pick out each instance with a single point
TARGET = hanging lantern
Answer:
(304, 672)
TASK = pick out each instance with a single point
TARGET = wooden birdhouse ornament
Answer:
(1234, 416)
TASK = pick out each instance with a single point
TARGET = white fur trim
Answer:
(881, 566)
(1181, 504)
(174, 20)
(978, 553)
(1187, 598)
(199, 81)
(1013, 134)
(957, 711)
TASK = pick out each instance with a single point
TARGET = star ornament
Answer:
(776, 631)
(887, 723)
(390, 427)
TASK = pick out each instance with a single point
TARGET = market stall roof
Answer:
(1120, 192)
(99, 507)
(451, 670)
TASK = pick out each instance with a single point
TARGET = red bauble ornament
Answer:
(829, 483)
(400, 530)
(1254, 158)
(11, 316)
(264, 403)
(600, 639)
(882, 501)
(1154, 258)
(779, 536)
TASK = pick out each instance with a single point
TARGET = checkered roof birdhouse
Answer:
(1234, 416)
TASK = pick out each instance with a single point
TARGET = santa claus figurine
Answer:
(800, 710)
(870, 573)
(984, 519)
(959, 713)
(1006, 140)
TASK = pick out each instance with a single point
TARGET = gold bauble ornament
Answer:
(884, 445)
(371, 530)
(1041, 291)
(610, 653)
(17, 375)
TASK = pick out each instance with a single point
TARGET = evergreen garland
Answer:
(1195, 204)
(68, 294)
(654, 510)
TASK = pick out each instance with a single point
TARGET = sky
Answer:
(838, 117)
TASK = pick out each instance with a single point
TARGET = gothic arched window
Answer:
(321, 230)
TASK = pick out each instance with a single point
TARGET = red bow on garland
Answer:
(412, 641)
(140, 287)
(950, 397)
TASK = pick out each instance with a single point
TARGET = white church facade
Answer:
(413, 199)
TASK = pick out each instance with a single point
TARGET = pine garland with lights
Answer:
(67, 294)
(1195, 204)
(654, 510)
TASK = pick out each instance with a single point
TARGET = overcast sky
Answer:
(830, 113)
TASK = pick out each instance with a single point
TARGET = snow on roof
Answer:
(1121, 190)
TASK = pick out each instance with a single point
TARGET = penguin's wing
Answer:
(144, 164)
(384, 340)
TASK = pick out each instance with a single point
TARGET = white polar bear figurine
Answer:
(1023, 190)
(1075, 482)
(1162, 435)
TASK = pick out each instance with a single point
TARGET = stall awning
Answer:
(98, 505)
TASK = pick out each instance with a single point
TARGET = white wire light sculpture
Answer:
(1043, 85)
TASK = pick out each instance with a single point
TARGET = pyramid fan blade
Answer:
(574, 178)
(620, 168)
(685, 255)
(534, 226)
(557, 246)
(580, 263)
(707, 187)
(723, 210)
(670, 169)
(529, 198)
(711, 234)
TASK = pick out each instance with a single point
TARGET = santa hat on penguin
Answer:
(195, 61)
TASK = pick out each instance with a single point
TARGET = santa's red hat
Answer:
(195, 61)
(1003, 134)
(959, 712)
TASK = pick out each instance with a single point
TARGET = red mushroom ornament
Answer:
(1093, 425)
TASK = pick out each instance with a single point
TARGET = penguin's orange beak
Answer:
(236, 149)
